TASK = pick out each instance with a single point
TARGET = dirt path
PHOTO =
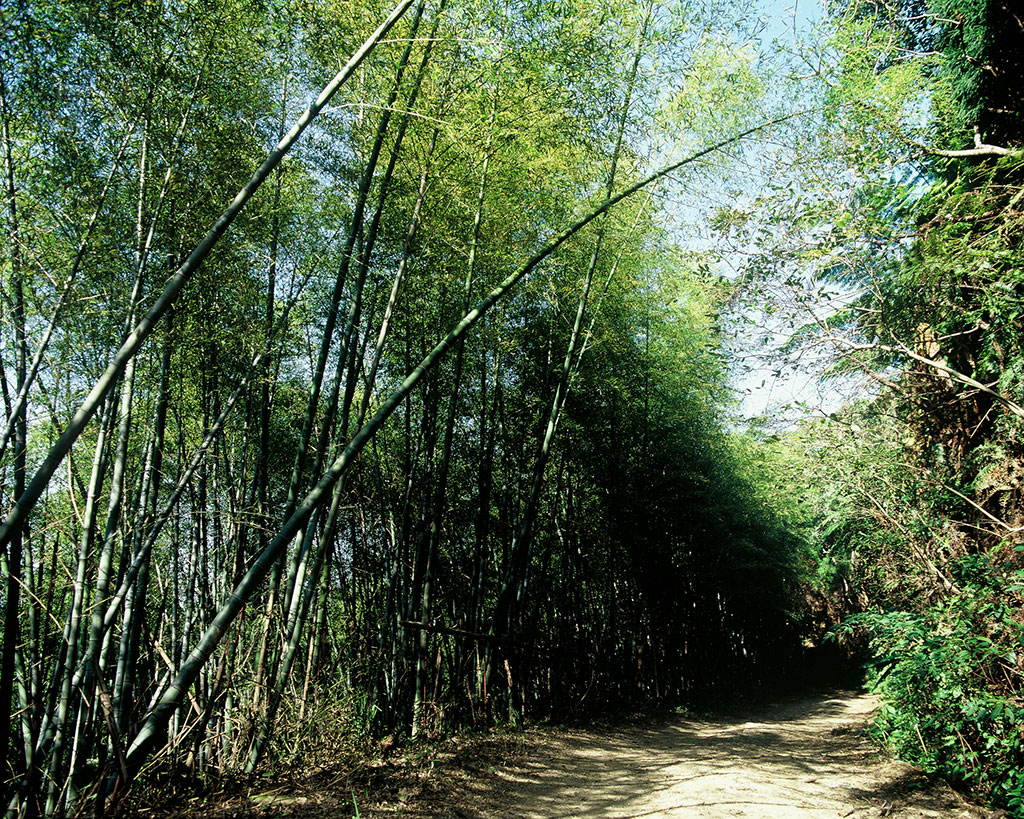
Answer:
(805, 759)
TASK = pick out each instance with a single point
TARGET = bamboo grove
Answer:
(276, 498)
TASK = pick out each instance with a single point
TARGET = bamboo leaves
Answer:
(306, 485)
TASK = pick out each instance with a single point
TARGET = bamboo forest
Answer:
(376, 371)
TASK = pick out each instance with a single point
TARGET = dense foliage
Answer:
(553, 520)
(436, 433)
(915, 502)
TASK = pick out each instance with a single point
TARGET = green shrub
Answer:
(950, 682)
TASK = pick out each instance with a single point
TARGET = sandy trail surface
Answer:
(805, 759)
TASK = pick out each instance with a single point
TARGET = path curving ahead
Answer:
(806, 759)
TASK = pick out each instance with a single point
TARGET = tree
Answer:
(911, 533)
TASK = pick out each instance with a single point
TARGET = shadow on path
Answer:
(803, 759)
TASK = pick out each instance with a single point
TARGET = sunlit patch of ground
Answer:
(802, 759)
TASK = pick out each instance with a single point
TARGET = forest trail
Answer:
(803, 758)
(806, 758)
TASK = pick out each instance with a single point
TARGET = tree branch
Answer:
(1011, 405)
(980, 149)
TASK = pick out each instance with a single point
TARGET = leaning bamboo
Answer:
(28, 499)
(159, 716)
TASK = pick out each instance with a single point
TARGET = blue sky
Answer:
(782, 387)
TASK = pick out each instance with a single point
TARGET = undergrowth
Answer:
(947, 676)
